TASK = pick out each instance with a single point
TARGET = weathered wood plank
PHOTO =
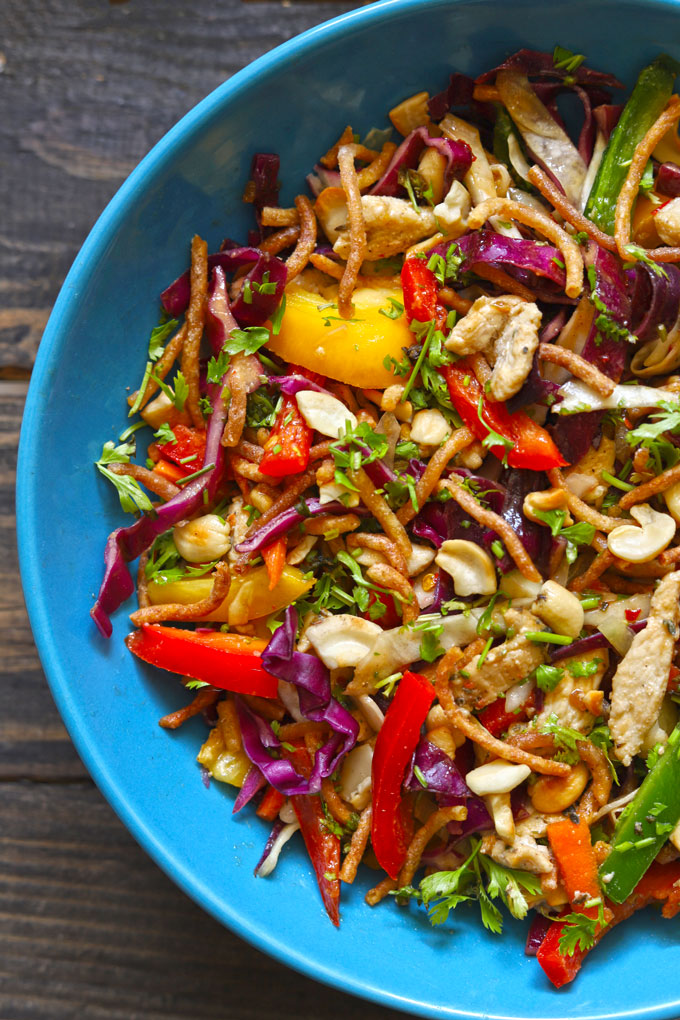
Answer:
(33, 741)
(90, 927)
(87, 89)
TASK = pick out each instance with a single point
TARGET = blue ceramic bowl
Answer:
(294, 100)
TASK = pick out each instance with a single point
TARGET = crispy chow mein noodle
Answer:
(194, 327)
(356, 227)
(559, 201)
(406, 506)
(578, 366)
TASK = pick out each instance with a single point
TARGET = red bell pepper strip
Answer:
(396, 742)
(270, 805)
(496, 718)
(189, 443)
(531, 446)
(420, 288)
(390, 618)
(323, 848)
(659, 883)
(286, 452)
(228, 661)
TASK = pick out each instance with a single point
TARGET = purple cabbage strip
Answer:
(175, 298)
(667, 180)
(540, 64)
(273, 835)
(458, 156)
(264, 174)
(508, 253)
(442, 592)
(444, 778)
(261, 305)
(589, 644)
(321, 177)
(258, 739)
(312, 681)
(252, 785)
(535, 538)
(607, 117)
(286, 520)
(540, 926)
(292, 384)
(126, 544)
(440, 772)
(437, 522)
(655, 299)
(580, 647)
(575, 433)
(457, 93)
(535, 389)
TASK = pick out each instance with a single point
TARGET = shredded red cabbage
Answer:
(458, 156)
(457, 93)
(667, 181)
(286, 520)
(126, 544)
(264, 174)
(537, 932)
(254, 306)
(252, 785)
(490, 248)
(311, 679)
(574, 434)
(439, 772)
(292, 384)
(175, 298)
(536, 63)
(655, 299)
(273, 835)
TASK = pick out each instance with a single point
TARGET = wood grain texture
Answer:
(86, 89)
(90, 928)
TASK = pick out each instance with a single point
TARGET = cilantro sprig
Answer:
(132, 497)
(478, 878)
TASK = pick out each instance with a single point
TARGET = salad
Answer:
(406, 529)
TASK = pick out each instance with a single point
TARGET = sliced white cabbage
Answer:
(576, 397)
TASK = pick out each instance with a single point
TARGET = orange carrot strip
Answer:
(575, 857)
(274, 556)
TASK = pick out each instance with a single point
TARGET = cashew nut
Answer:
(429, 427)
(496, 776)
(560, 609)
(516, 586)
(202, 540)
(552, 794)
(500, 809)
(325, 413)
(541, 502)
(672, 498)
(343, 640)
(355, 777)
(639, 545)
(331, 491)
(470, 567)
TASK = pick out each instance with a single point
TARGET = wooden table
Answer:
(89, 926)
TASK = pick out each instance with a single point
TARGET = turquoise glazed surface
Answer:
(294, 100)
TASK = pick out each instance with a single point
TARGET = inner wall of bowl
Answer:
(295, 101)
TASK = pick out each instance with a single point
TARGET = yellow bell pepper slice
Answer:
(351, 351)
(222, 753)
(249, 595)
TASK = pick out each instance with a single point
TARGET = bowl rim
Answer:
(64, 310)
